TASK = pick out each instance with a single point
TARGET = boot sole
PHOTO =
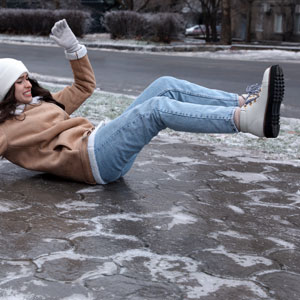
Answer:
(275, 97)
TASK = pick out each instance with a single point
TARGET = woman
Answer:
(37, 133)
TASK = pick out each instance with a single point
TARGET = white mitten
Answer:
(65, 38)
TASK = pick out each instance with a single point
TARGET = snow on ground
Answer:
(248, 55)
(283, 54)
(104, 106)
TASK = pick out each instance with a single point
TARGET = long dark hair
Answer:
(9, 103)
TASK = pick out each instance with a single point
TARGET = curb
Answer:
(151, 48)
(154, 48)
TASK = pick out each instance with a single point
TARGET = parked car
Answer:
(196, 30)
(200, 30)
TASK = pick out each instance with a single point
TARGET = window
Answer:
(260, 22)
(297, 24)
(278, 24)
(297, 19)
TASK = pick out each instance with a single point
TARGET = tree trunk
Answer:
(3, 3)
(57, 4)
(209, 13)
(215, 5)
(249, 21)
(126, 4)
(143, 6)
(206, 21)
(213, 26)
(226, 23)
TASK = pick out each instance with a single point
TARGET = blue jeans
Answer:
(167, 102)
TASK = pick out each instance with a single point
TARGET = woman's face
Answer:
(23, 89)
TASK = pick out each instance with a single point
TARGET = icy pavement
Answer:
(188, 222)
(198, 217)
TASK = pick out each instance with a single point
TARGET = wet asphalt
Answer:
(187, 222)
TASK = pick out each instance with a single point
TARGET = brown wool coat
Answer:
(44, 138)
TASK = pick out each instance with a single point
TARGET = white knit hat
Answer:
(10, 70)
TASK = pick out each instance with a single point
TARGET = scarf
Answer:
(20, 108)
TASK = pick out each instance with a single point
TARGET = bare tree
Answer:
(57, 4)
(150, 5)
(290, 22)
(226, 22)
(208, 9)
(164, 6)
(136, 5)
(212, 7)
(249, 20)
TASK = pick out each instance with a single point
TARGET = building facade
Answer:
(266, 20)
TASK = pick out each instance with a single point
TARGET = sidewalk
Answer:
(188, 222)
(103, 41)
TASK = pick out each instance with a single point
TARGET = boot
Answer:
(261, 113)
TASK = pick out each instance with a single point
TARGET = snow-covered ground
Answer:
(249, 55)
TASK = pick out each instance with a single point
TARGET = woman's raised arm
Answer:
(84, 79)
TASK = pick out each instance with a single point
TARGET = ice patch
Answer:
(294, 163)
(88, 190)
(9, 294)
(217, 221)
(230, 233)
(242, 260)
(295, 198)
(180, 218)
(177, 175)
(184, 160)
(143, 163)
(282, 243)
(39, 283)
(108, 269)
(79, 297)
(236, 209)
(182, 271)
(246, 177)
(51, 240)
(258, 195)
(23, 269)
(69, 254)
(177, 214)
(6, 206)
(280, 220)
(98, 230)
(210, 284)
(76, 205)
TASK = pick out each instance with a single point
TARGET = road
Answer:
(130, 73)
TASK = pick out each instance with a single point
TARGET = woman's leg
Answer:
(118, 143)
(186, 91)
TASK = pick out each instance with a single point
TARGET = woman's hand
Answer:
(64, 37)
